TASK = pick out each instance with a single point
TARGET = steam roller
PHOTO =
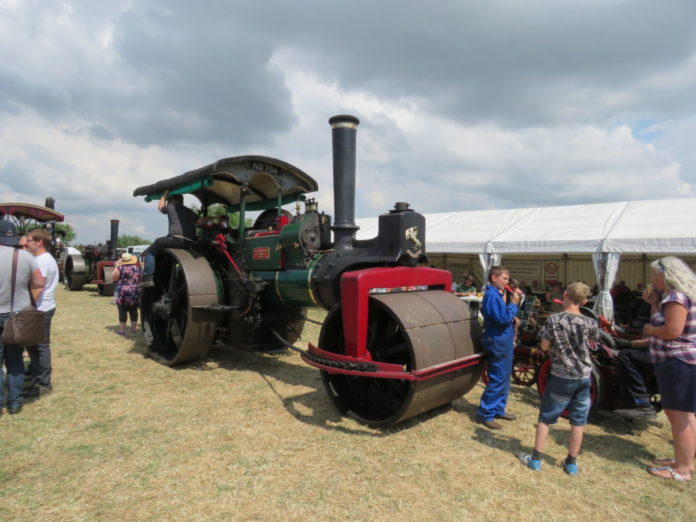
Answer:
(422, 348)
(395, 341)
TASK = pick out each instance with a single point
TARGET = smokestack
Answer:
(343, 130)
(114, 238)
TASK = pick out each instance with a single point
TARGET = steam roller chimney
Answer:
(343, 130)
(114, 238)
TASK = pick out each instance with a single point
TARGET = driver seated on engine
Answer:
(634, 359)
(182, 232)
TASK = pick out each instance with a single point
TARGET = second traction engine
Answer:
(395, 342)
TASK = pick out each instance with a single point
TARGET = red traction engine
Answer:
(395, 342)
(93, 265)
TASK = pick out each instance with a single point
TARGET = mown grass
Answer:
(240, 436)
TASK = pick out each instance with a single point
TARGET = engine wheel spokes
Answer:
(176, 331)
(523, 373)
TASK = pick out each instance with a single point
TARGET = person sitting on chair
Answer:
(182, 232)
(467, 287)
(634, 357)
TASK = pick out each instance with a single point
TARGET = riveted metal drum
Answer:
(417, 330)
(176, 325)
(74, 272)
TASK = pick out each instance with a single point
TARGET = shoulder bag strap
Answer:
(15, 255)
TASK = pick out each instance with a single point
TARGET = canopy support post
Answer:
(606, 265)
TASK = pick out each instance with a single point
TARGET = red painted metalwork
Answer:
(386, 370)
(29, 211)
(355, 293)
(101, 266)
(281, 221)
(220, 244)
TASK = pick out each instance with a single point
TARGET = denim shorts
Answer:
(566, 394)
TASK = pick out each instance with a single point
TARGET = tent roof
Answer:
(656, 226)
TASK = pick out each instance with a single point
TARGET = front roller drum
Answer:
(416, 330)
(74, 273)
(177, 327)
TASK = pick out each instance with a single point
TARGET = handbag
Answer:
(24, 327)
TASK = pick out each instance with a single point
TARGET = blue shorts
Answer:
(676, 381)
(566, 394)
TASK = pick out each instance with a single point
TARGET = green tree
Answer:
(126, 241)
(68, 230)
(218, 209)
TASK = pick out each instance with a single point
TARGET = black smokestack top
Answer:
(114, 238)
(343, 130)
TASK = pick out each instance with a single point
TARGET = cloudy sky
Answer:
(464, 104)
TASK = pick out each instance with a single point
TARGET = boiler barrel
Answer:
(417, 330)
(291, 287)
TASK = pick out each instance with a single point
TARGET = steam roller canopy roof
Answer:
(29, 211)
(220, 182)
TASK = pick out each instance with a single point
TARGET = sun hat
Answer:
(128, 259)
(8, 233)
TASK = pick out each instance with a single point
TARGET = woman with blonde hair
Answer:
(672, 333)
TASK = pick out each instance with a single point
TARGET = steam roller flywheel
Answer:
(417, 330)
(175, 331)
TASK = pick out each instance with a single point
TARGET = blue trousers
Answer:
(494, 397)
(160, 244)
(12, 357)
(40, 355)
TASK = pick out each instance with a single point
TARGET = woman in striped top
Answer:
(672, 333)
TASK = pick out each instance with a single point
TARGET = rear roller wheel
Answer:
(176, 331)
(416, 330)
(105, 290)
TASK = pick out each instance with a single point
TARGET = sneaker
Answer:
(527, 460)
(570, 469)
(640, 412)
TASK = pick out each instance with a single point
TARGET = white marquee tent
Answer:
(606, 230)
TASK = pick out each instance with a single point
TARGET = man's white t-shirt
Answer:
(49, 269)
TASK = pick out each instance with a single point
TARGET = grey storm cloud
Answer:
(98, 97)
(17, 91)
(208, 76)
(520, 63)
(204, 72)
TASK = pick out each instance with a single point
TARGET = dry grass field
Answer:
(241, 436)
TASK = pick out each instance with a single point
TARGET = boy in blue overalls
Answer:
(498, 345)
